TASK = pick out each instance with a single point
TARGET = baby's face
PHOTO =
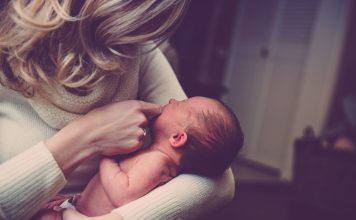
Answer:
(180, 114)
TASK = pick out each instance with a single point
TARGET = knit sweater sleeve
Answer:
(27, 181)
(158, 83)
(186, 196)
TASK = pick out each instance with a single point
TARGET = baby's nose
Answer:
(171, 101)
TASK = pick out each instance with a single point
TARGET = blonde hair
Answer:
(75, 43)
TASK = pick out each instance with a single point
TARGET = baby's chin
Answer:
(152, 123)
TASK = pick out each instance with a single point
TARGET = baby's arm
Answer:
(147, 173)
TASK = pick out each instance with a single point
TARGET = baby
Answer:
(198, 135)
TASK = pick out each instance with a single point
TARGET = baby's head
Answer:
(204, 130)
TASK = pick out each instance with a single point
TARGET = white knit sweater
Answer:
(29, 175)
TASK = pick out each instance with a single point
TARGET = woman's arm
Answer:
(186, 196)
(27, 181)
(31, 178)
(71, 214)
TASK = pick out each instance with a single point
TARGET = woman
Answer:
(59, 60)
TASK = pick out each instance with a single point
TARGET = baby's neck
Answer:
(172, 154)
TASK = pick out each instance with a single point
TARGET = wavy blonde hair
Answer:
(75, 43)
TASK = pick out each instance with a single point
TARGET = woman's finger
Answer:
(150, 109)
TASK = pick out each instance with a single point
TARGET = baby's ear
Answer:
(178, 139)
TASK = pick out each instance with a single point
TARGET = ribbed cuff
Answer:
(27, 181)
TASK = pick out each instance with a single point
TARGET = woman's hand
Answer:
(116, 128)
(119, 127)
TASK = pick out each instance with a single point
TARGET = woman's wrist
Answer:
(70, 146)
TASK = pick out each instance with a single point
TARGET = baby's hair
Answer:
(75, 43)
(213, 142)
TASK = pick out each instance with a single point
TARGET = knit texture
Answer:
(65, 107)
(32, 188)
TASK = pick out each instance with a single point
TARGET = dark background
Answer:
(203, 43)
